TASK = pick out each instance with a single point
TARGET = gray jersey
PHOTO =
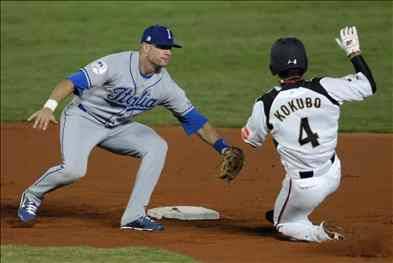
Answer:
(117, 91)
(110, 92)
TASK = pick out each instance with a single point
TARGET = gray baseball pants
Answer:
(80, 133)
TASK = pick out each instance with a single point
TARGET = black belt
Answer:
(308, 174)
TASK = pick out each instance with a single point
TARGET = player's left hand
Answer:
(232, 163)
(349, 40)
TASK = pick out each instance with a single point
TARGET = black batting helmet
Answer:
(288, 53)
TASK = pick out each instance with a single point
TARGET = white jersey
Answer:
(303, 119)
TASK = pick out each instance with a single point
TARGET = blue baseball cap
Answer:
(160, 36)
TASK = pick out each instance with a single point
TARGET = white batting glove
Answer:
(349, 40)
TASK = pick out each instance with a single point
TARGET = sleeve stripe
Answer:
(187, 110)
(80, 82)
(87, 76)
(267, 101)
(192, 121)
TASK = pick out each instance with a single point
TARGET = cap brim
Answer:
(163, 44)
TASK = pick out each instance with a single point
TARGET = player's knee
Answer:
(74, 172)
(161, 146)
(156, 147)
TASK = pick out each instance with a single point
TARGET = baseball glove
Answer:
(231, 164)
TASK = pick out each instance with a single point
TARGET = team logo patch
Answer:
(99, 67)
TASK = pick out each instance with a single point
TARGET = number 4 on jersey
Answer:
(310, 136)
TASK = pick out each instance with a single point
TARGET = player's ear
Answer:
(147, 46)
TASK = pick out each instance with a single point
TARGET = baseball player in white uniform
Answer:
(302, 117)
(108, 94)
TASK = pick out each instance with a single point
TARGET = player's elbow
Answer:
(369, 85)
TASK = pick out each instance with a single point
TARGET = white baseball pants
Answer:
(297, 200)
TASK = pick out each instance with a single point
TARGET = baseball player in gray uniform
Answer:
(302, 117)
(108, 94)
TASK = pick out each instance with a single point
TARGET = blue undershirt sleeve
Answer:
(192, 121)
(80, 82)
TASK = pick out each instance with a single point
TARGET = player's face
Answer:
(159, 55)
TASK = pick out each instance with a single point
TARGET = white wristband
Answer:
(51, 104)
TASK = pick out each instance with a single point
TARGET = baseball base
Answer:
(183, 213)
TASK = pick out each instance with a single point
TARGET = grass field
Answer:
(224, 63)
(23, 254)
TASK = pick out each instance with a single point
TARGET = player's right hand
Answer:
(349, 40)
(42, 118)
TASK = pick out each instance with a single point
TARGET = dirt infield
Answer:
(88, 212)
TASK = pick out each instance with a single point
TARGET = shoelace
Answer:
(31, 208)
(148, 219)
